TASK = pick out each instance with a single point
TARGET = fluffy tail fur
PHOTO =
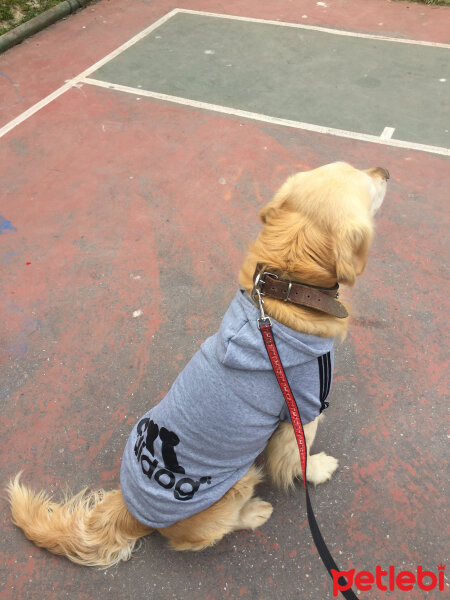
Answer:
(90, 528)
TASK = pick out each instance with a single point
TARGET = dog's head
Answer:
(319, 225)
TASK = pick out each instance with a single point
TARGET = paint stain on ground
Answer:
(6, 226)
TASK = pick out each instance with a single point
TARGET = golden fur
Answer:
(317, 229)
(92, 528)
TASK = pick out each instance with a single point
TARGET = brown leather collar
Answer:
(319, 298)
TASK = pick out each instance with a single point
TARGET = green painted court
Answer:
(325, 79)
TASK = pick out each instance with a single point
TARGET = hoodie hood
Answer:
(240, 345)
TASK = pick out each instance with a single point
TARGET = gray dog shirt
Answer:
(192, 447)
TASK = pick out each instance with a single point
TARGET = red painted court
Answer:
(124, 216)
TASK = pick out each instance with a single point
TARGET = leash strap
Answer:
(264, 325)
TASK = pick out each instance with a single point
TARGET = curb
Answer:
(50, 16)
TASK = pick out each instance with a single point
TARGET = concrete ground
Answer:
(128, 198)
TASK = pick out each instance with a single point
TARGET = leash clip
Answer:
(256, 291)
(265, 320)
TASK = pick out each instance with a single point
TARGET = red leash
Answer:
(265, 326)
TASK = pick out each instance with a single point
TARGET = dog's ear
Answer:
(271, 209)
(353, 239)
(279, 200)
(265, 212)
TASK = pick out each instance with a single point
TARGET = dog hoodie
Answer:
(192, 447)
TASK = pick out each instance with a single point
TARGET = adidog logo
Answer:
(148, 433)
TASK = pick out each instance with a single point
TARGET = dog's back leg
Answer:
(90, 528)
(237, 509)
(254, 513)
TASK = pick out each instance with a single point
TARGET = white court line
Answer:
(35, 108)
(369, 36)
(139, 92)
(226, 110)
(72, 82)
(387, 133)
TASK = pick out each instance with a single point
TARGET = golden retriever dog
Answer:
(195, 484)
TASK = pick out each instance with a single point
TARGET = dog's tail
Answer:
(90, 528)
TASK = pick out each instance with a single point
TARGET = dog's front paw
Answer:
(255, 513)
(320, 468)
